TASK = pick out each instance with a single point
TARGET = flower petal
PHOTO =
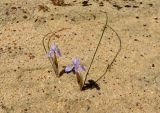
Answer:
(58, 52)
(54, 47)
(76, 61)
(68, 68)
(76, 68)
(49, 54)
(82, 68)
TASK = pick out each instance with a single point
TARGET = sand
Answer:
(28, 83)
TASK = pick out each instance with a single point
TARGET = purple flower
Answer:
(54, 50)
(76, 66)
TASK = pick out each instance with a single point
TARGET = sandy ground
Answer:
(28, 83)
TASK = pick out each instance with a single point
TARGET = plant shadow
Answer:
(91, 85)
